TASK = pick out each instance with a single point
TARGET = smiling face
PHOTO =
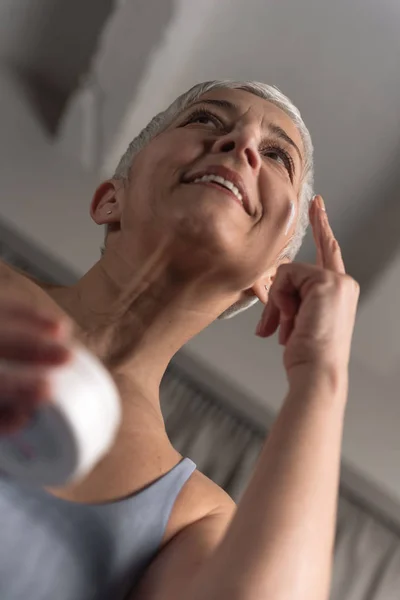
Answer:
(222, 181)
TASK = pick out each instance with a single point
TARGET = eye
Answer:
(280, 156)
(203, 117)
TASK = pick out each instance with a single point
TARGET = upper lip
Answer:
(228, 174)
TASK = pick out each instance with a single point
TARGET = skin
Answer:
(179, 255)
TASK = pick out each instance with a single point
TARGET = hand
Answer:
(315, 306)
(30, 344)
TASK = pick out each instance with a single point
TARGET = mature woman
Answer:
(207, 208)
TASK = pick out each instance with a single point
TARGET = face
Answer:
(222, 184)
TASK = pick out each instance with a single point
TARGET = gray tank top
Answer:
(51, 549)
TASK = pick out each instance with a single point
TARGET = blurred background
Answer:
(79, 79)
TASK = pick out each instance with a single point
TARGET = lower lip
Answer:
(221, 189)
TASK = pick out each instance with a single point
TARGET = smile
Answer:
(225, 179)
(225, 183)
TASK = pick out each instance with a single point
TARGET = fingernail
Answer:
(321, 203)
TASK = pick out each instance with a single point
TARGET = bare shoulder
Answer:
(20, 286)
(181, 558)
(14, 283)
(212, 495)
(199, 498)
(12, 279)
(6, 271)
(206, 498)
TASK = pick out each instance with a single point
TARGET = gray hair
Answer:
(161, 121)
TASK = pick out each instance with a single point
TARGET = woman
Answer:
(207, 208)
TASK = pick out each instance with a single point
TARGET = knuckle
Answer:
(283, 268)
(351, 284)
(345, 285)
(332, 282)
(328, 279)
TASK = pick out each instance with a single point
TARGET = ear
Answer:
(106, 205)
(262, 286)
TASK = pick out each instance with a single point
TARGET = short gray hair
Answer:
(270, 93)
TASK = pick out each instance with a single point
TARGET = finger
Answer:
(290, 284)
(282, 308)
(291, 303)
(285, 330)
(34, 318)
(20, 389)
(269, 321)
(23, 346)
(332, 256)
(316, 231)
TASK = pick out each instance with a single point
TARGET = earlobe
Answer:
(261, 288)
(104, 208)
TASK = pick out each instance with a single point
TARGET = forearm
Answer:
(279, 545)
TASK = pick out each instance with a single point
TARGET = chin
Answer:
(210, 247)
(211, 217)
(212, 228)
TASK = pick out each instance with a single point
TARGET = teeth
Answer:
(225, 182)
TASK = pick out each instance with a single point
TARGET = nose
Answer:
(241, 142)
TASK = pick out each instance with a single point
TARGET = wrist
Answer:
(324, 379)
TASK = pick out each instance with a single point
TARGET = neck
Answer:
(135, 320)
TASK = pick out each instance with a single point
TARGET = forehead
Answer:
(257, 109)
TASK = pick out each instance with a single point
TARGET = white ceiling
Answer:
(51, 43)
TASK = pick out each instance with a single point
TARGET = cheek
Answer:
(149, 177)
(162, 162)
(279, 203)
(280, 212)
(292, 218)
(279, 207)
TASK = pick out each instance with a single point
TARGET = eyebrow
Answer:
(273, 128)
(220, 103)
(281, 133)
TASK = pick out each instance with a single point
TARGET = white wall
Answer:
(43, 194)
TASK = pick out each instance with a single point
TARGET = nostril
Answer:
(228, 146)
(252, 157)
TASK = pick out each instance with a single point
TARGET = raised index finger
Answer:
(329, 255)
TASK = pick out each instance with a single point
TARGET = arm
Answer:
(279, 543)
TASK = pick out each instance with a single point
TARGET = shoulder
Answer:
(181, 558)
(200, 497)
(14, 283)
(14, 280)
(201, 486)
(6, 271)
(20, 286)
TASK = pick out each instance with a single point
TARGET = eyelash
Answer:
(287, 159)
(201, 112)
